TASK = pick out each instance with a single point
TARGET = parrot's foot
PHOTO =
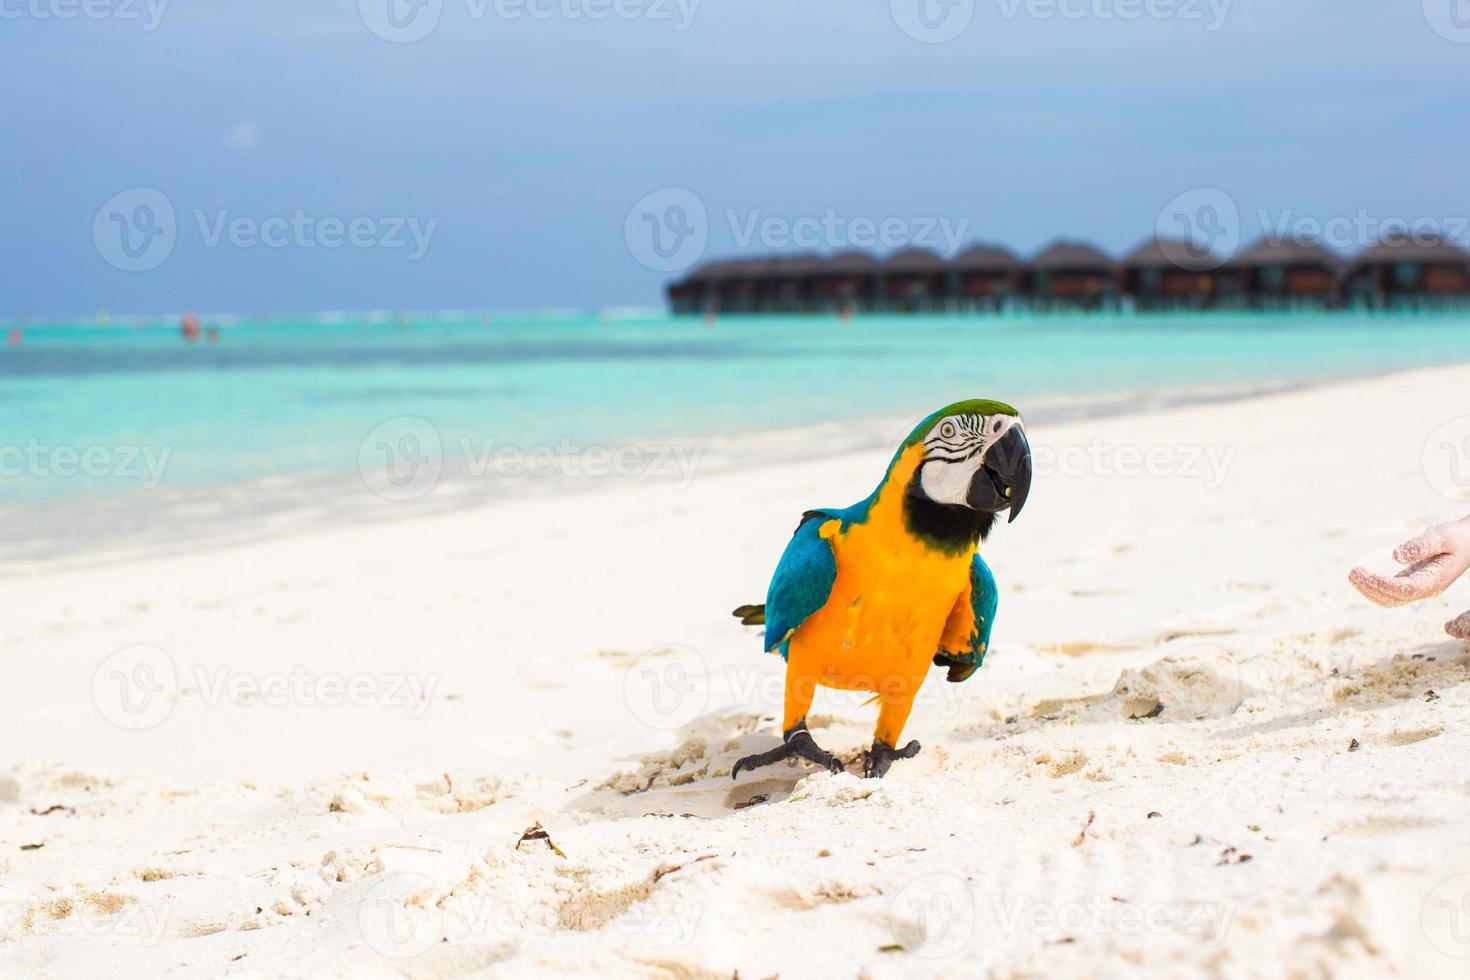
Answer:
(798, 742)
(881, 756)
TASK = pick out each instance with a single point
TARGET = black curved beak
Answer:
(1004, 481)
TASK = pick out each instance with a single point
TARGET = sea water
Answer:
(297, 397)
(293, 400)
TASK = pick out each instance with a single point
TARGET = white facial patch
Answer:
(955, 450)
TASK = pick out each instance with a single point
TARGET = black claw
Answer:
(798, 742)
(880, 757)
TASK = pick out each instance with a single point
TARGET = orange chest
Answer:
(888, 605)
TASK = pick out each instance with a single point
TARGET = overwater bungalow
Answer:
(785, 284)
(793, 283)
(848, 282)
(916, 280)
(1071, 274)
(698, 291)
(1401, 270)
(1404, 269)
(1170, 273)
(685, 295)
(1286, 272)
(988, 277)
(747, 285)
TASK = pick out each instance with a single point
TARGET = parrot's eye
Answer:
(995, 426)
(947, 430)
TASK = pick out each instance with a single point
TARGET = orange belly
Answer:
(881, 625)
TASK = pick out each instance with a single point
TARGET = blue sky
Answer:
(516, 136)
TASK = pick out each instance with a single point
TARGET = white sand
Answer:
(571, 662)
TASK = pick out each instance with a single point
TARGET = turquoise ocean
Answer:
(293, 399)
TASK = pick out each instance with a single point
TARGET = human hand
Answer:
(1432, 562)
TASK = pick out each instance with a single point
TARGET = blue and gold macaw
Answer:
(867, 597)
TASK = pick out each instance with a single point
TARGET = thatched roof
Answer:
(1170, 253)
(1287, 251)
(1431, 249)
(850, 263)
(916, 260)
(987, 258)
(740, 269)
(1071, 255)
(717, 269)
(805, 264)
(755, 269)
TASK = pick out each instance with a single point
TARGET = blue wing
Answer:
(966, 637)
(802, 582)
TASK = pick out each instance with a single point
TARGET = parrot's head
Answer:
(975, 457)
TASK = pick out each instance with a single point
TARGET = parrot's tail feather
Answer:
(751, 615)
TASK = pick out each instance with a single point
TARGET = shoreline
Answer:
(169, 322)
(279, 506)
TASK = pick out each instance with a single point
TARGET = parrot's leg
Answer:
(796, 739)
(891, 719)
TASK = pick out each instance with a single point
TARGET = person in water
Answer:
(1432, 562)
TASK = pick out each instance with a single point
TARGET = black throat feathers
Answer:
(948, 527)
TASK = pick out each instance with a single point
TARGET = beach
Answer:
(493, 739)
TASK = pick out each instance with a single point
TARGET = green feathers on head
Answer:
(972, 406)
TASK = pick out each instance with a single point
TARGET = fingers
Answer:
(1376, 588)
(1432, 562)
(1419, 581)
(1459, 627)
(1427, 545)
